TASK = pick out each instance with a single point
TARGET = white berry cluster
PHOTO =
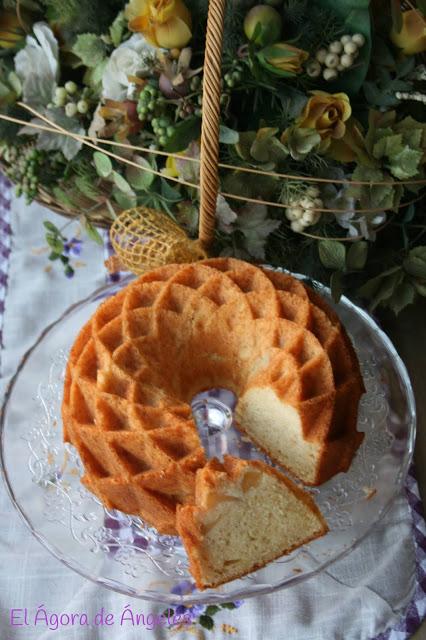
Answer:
(71, 99)
(301, 210)
(338, 57)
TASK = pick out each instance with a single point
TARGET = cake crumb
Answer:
(297, 570)
(228, 628)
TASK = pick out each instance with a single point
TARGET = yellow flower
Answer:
(164, 23)
(327, 114)
(412, 37)
(11, 31)
(283, 58)
(170, 169)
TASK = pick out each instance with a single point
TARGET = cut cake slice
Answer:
(245, 515)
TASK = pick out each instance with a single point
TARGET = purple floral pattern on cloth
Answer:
(73, 247)
(415, 613)
(5, 244)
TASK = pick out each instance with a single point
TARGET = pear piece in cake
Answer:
(245, 515)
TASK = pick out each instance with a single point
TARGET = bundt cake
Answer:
(136, 365)
(244, 515)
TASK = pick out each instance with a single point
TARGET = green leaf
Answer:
(103, 164)
(92, 232)
(93, 76)
(405, 164)
(184, 133)
(50, 226)
(140, 179)
(336, 286)
(357, 256)
(412, 138)
(415, 263)
(228, 605)
(90, 49)
(116, 30)
(382, 288)
(55, 243)
(63, 197)
(15, 83)
(246, 139)
(87, 187)
(270, 67)
(211, 610)
(206, 621)
(374, 196)
(370, 288)
(388, 145)
(403, 295)
(228, 136)
(54, 256)
(332, 254)
(124, 200)
(121, 183)
(420, 287)
(169, 193)
(261, 147)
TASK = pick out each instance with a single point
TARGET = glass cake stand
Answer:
(122, 552)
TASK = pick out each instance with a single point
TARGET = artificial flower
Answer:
(262, 25)
(11, 31)
(37, 66)
(170, 170)
(225, 216)
(412, 37)
(115, 119)
(254, 224)
(283, 59)
(175, 76)
(179, 167)
(327, 114)
(132, 59)
(164, 23)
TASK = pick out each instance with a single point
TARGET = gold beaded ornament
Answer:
(147, 238)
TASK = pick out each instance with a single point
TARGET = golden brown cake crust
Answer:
(212, 478)
(135, 366)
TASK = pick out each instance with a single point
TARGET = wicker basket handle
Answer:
(209, 179)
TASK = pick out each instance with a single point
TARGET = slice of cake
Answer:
(245, 515)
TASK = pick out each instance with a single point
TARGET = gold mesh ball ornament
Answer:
(147, 238)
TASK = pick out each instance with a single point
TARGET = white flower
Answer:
(253, 222)
(135, 57)
(356, 223)
(37, 66)
(225, 216)
(255, 225)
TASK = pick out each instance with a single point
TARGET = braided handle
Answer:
(209, 179)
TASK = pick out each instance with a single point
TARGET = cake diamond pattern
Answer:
(180, 329)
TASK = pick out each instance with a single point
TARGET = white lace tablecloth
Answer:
(375, 592)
